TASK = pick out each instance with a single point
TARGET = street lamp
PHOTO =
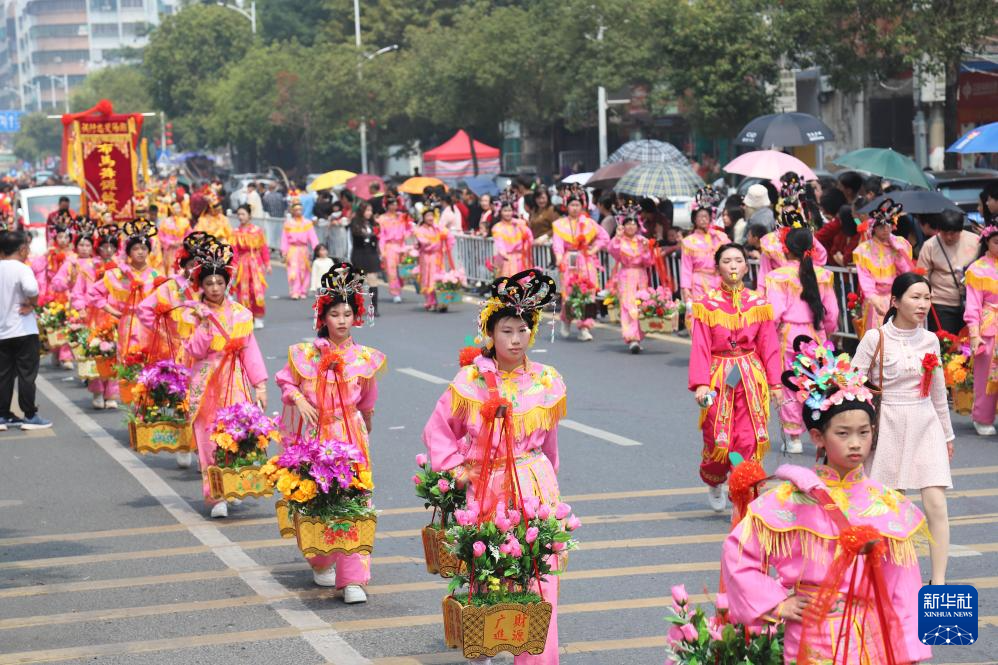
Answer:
(251, 14)
(64, 79)
(360, 78)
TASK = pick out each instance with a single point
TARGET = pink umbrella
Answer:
(360, 185)
(768, 164)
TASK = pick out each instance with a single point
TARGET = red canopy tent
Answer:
(458, 156)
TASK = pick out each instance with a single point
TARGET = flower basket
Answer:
(344, 536)
(660, 324)
(613, 313)
(87, 369)
(448, 297)
(963, 399)
(57, 338)
(483, 632)
(127, 389)
(78, 353)
(407, 271)
(284, 522)
(859, 326)
(448, 565)
(105, 367)
(226, 483)
(160, 437)
(430, 549)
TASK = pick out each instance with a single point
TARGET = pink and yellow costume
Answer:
(435, 245)
(537, 394)
(393, 229)
(735, 352)
(793, 317)
(512, 241)
(361, 365)
(46, 268)
(215, 224)
(877, 265)
(251, 257)
(171, 233)
(790, 530)
(75, 277)
(774, 255)
(123, 289)
(298, 239)
(697, 270)
(981, 316)
(226, 365)
(169, 322)
(633, 257)
(576, 243)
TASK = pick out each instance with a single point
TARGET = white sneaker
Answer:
(793, 446)
(354, 594)
(235, 503)
(565, 330)
(110, 404)
(67, 364)
(184, 460)
(98, 402)
(984, 430)
(715, 496)
(326, 577)
(220, 509)
(396, 299)
(258, 323)
(635, 348)
(585, 335)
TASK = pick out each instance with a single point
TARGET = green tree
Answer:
(300, 20)
(39, 137)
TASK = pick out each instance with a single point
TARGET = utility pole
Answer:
(360, 79)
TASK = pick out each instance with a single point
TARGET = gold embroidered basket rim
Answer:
(310, 534)
(140, 437)
(464, 627)
(216, 482)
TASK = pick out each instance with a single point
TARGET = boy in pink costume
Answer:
(576, 241)
(793, 316)
(981, 316)
(537, 393)
(435, 244)
(356, 381)
(633, 255)
(298, 239)
(878, 261)
(393, 229)
(821, 530)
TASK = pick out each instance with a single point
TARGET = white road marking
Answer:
(957, 551)
(415, 373)
(610, 437)
(326, 641)
(9, 503)
(397, 427)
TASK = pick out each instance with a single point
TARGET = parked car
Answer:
(33, 206)
(962, 187)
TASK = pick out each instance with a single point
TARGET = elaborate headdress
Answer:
(191, 245)
(294, 198)
(887, 213)
(108, 234)
(341, 283)
(791, 196)
(824, 383)
(576, 192)
(84, 228)
(629, 212)
(706, 198)
(212, 258)
(141, 202)
(97, 208)
(507, 197)
(524, 293)
(987, 231)
(140, 230)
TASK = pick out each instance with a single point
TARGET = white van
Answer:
(33, 207)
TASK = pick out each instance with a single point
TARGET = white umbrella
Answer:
(577, 178)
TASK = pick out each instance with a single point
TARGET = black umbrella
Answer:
(915, 202)
(784, 130)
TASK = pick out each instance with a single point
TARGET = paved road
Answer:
(107, 557)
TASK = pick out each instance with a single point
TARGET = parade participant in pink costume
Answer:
(227, 364)
(172, 231)
(512, 241)
(393, 229)
(45, 268)
(879, 260)
(576, 242)
(298, 239)
(76, 274)
(435, 245)
(803, 300)
(842, 544)
(633, 254)
(332, 382)
(508, 322)
(981, 316)
(252, 257)
(734, 364)
(914, 432)
(121, 290)
(105, 393)
(697, 270)
(774, 254)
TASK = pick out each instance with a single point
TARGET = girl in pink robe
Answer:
(803, 301)
(76, 274)
(46, 267)
(537, 395)
(576, 241)
(172, 231)
(393, 230)
(981, 316)
(878, 261)
(298, 239)
(435, 245)
(252, 259)
(735, 356)
(773, 255)
(299, 380)
(512, 241)
(697, 272)
(227, 366)
(633, 254)
(85, 291)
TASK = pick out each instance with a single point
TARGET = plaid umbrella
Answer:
(648, 151)
(659, 180)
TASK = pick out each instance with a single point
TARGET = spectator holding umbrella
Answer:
(944, 258)
(757, 207)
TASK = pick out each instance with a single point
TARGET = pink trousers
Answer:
(984, 404)
(391, 254)
(350, 568)
(109, 389)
